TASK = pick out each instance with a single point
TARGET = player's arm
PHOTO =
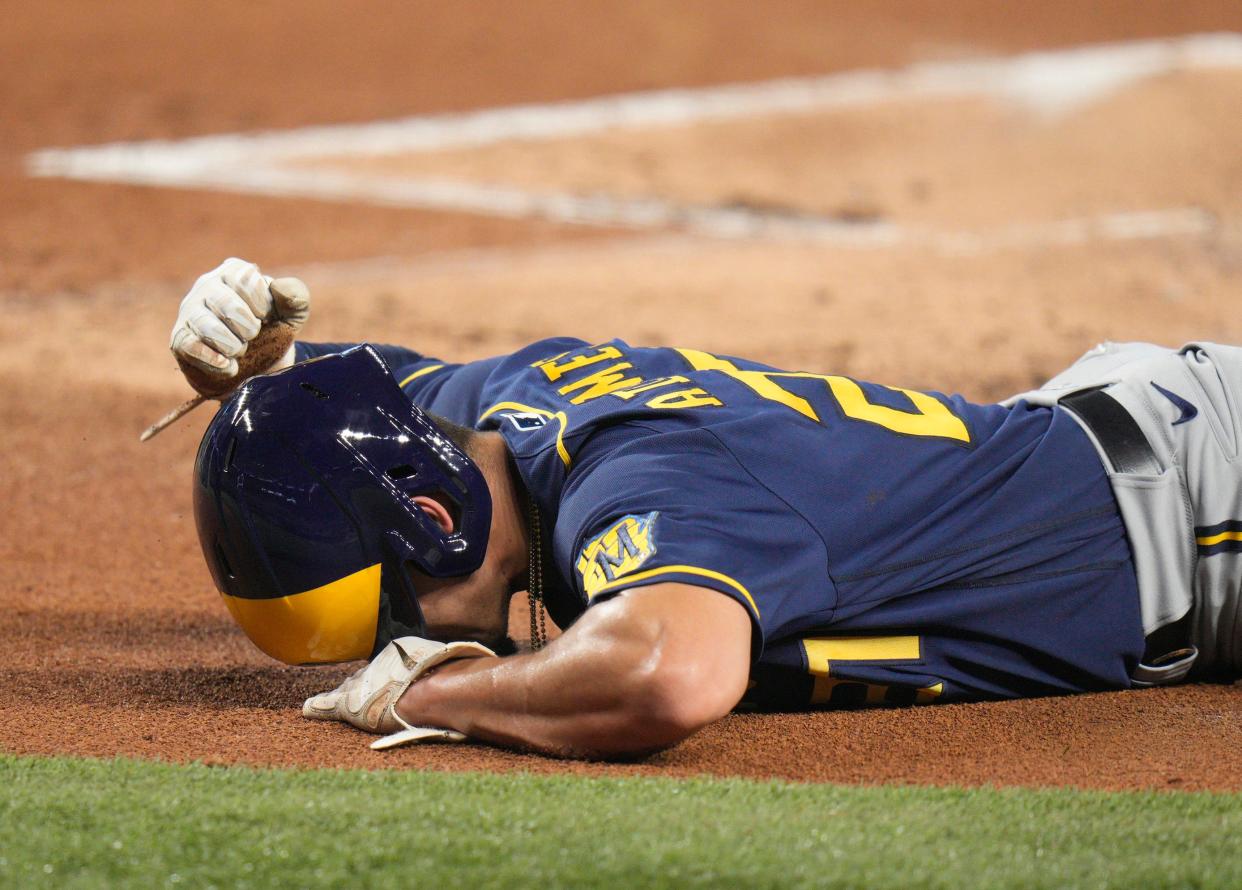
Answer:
(639, 672)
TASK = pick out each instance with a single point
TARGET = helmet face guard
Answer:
(303, 500)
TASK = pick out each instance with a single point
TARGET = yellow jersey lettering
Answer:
(931, 417)
(851, 693)
(822, 652)
(552, 358)
(554, 369)
(758, 381)
(601, 383)
(685, 398)
(657, 383)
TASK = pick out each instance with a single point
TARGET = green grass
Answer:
(82, 823)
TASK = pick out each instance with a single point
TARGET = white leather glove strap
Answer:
(412, 734)
(368, 697)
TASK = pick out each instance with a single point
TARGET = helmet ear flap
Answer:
(399, 615)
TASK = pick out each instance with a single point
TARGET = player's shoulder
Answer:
(639, 467)
(657, 503)
(520, 367)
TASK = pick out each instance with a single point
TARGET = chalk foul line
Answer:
(1050, 82)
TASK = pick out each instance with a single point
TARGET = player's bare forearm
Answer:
(545, 701)
(641, 672)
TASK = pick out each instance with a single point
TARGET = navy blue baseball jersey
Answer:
(890, 546)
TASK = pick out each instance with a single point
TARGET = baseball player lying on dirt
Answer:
(710, 532)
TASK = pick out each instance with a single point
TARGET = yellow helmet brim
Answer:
(335, 622)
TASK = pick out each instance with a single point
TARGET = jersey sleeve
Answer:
(679, 507)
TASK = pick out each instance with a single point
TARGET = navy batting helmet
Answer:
(303, 500)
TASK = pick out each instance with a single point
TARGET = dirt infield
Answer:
(112, 640)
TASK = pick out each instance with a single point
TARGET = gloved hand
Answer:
(368, 697)
(236, 322)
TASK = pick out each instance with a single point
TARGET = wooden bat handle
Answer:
(172, 417)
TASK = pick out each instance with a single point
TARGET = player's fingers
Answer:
(187, 345)
(322, 706)
(215, 333)
(245, 280)
(292, 301)
(231, 309)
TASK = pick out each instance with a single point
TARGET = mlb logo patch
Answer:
(616, 552)
(526, 421)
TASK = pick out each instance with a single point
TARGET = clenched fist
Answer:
(234, 323)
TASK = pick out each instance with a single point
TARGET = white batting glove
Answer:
(368, 697)
(223, 312)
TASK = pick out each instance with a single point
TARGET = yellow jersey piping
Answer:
(419, 373)
(678, 570)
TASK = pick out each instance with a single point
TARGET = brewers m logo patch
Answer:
(616, 552)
